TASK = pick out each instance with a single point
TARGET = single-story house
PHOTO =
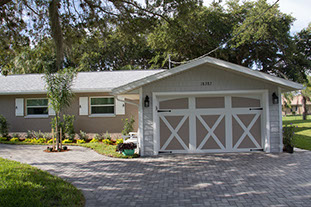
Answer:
(207, 105)
(296, 106)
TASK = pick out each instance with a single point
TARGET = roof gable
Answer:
(286, 85)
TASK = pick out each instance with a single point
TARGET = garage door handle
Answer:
(164, 110)
(256, 109)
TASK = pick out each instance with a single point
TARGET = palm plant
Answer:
(60, 94)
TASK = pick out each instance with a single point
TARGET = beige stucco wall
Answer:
(85, 123)
(222, 80)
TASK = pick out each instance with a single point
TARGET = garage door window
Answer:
(102, 105)
(209, 102)
(244, 102)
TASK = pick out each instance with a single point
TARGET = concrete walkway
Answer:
(247, 179)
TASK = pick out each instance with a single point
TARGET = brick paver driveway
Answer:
(248, 179)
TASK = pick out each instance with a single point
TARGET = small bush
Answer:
(128, 125)
(51, 141)
(29, 134)
(94, 140)
(121, 147)
(37, 135)
(40, 140)
(67, 141)
(15, 135)
(83, 135)
(98, 137)
(107, 141)
(68, 126)
(14, 139)
(4, 126)
(288, 136)
(107, 135)
(28, 140)
(80, 141)
(3, 139)
(119, 141)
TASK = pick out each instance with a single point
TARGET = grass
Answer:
(302, 135)
(101, 148)
(23, 185)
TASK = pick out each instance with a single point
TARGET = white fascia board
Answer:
(286, 84)
(44, 92)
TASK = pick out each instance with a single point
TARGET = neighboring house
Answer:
(208, 105)
(296, 106)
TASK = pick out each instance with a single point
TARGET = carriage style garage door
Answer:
(229, 123)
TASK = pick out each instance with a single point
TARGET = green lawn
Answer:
(23, 185)
(302, 132)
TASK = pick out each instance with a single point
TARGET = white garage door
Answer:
(210, 123)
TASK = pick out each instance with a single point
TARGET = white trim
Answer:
(141, 124)
(101, 115)
(156, 123)
(266, 121)
(280, 119)
(286, 84)
(36, 116)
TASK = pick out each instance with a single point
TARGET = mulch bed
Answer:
(62, 150)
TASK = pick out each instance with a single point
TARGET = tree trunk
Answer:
(57, 131)
(304, 105)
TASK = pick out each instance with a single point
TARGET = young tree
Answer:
(306, 94)
(60, 94)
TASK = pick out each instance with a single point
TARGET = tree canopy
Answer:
(93, 35)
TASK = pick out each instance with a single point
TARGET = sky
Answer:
(300, 9)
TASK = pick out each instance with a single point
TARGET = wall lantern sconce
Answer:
(147, 102)
(275, 99)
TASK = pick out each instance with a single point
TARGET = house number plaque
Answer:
(206, 83)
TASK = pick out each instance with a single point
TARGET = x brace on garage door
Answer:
(210, 122)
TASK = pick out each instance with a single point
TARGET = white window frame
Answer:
(102, 115)
(33, 115)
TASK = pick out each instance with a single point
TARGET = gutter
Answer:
(128, 102)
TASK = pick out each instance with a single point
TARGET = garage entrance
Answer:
(210, 123)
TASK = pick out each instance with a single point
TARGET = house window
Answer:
(102, 105)
(37, 106)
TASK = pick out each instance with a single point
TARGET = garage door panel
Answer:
(237, 131)
(174, 145)
(165, 133)
(220, 132)
(183, 132)
(210, 120)
(174, 120)
(180, 103)
(210, 144)
(256, 130)
(247, 143)
(246, 119)
(209, 102)
(244, 102)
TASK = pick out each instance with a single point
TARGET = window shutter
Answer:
(84, 106)
(51, 110)
(120, 106)
(19, 107)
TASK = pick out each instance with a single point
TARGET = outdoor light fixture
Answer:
(275, 99)
(147, 102)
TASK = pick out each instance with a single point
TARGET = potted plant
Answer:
(126, 149)
(288, 138)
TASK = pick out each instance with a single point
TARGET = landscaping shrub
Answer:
(80, 141)
(29, 134)
(288, 137)
(67, 141)
(66, 124)
(128, 125)
(14, 139)
(98, 137)
(119, 141)
(83, 135)
(94, 140)
(4, 126)
(107, 135)
(28, 140)
(107, 141)
(15, 135)
(37, 135)
(3, 139)
(121, 147)
(50, 141)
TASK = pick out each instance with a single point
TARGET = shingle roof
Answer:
(85, 81)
